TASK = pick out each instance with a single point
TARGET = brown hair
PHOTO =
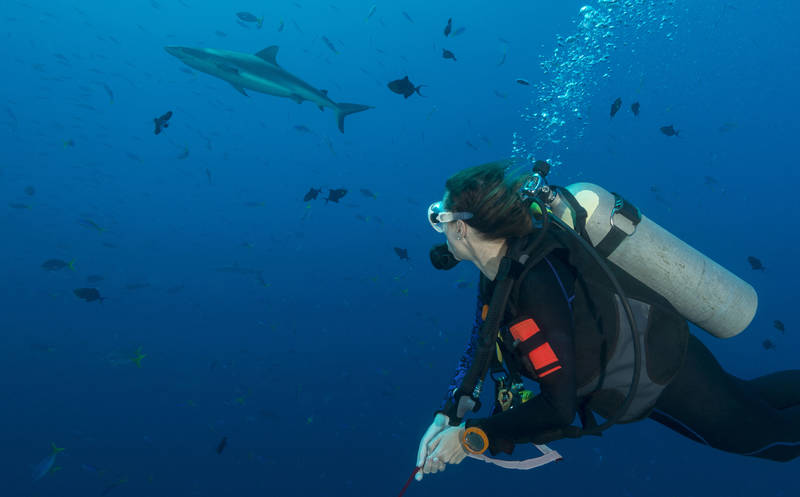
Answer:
(493, 199)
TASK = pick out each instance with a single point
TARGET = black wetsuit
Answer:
(695, 396)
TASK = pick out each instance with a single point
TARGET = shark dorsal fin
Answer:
(269, 54)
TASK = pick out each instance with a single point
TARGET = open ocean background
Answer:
(292, 328)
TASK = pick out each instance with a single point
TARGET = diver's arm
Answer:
(449, 406)
(541, 299)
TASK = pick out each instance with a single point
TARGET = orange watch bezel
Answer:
(474, 430)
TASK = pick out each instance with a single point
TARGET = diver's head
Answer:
(497, 211)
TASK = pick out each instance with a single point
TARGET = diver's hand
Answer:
(446, 448)
(440, 423)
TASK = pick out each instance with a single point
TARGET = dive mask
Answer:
(437, 216)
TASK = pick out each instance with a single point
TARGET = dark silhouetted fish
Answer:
(779, 326)
(302, 128)
(449, 27)
(768, 344)
(447, 54)
(755, 263)
(222, 444)
(30, 191)
(330, 45)
(616, 106)
(368, 193)
(312, 194)
(459, 31)
(162, 122)
(405, 14)
(248, 17)
(635, 108)
(88, 294)
(401, 253)
(669, 130)
(335, 195)
(523, 82)
(404, 87)
(57, 265)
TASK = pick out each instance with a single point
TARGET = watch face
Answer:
(475, 440)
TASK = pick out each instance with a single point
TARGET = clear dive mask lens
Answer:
(437, 216)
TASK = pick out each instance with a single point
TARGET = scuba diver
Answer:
(590, 299)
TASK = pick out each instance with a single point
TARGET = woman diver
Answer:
(545, 312)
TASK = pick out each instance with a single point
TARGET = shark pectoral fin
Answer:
(240, 90)
(297, 98)
(269, 54)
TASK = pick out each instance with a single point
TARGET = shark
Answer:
(260, 72)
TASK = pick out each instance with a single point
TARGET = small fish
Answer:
(302, 128)
(162, 122)
(447, 54)
(616, 106)
(281, 26)
(367, 193)
(248, 17)
(502, 60)
(449, 27)
(500, 94)
(221, 445)
(57, 265)
(405, 14)
(462, 284)
(470, 145)
(779, 326)
(401, 253)
(109, 92)
(371, 12)
(46, 465)
(312, 194)
(635, 108)
(335, 195)
(221, 34)
(330, 45)
(768, 345)
(88, 223)
(755, 263)
(459, 31)
(68, 143)
(137, 357)
(404, 87)
(30, 191)
(94, 278)
(88, 294)
(523, 82)
(669, 130)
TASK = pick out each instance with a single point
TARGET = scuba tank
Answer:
(701, 290)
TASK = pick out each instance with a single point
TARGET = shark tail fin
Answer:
(344, 110)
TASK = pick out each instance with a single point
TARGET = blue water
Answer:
(324, 371)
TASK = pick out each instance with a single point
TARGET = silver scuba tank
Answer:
(701, 290)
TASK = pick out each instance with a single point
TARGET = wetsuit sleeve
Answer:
(448, 406)
(544, 299)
